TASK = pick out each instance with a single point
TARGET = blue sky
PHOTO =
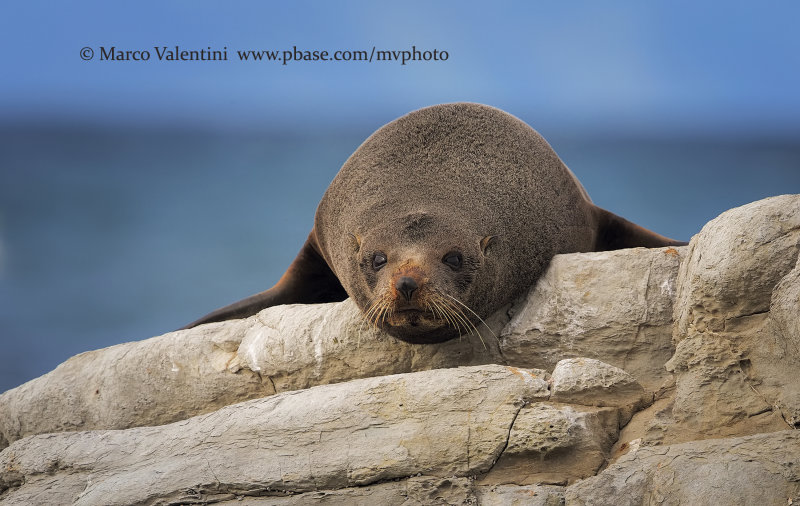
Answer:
(676, 67)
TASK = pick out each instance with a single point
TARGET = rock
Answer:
(761, 469)
(614, 306)
(592, 383)
(448, 422)
(715, 396)
(515, 495)
(150, 382)
(189, 372)
(422, 490)
(784, 310)
(300, 346)
(415, 491)
(736, 313)
(555, 444)
(734, 263)
(784, 328)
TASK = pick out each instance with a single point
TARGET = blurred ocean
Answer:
(109, 236)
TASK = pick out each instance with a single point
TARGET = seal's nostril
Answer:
(406, 286)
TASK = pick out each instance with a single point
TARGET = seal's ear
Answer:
(355, 242)
(486, 243)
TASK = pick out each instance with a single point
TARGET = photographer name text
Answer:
(284, 57)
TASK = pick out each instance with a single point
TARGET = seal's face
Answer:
(419, 288)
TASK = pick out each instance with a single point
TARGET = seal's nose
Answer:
(406, 286)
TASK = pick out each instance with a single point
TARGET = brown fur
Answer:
(463, 178)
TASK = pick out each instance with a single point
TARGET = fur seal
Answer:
(440, 218)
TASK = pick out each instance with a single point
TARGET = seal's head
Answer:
(406, 224)
(417, 280)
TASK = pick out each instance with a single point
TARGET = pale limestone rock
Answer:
(785, 310)
(781, 384)
(593, 383)
(449, 422)
(734, 263)
(185, 373)
(416, 491)
(614, 306)
(715, 394)
(761, 469)
(300, 346)
(150, 382)
(555, 444)
(737, 358)
(516, 495)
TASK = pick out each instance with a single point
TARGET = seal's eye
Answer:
(453, 260)
(378, 261)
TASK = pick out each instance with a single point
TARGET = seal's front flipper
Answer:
(615, 232)
(308, 280)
